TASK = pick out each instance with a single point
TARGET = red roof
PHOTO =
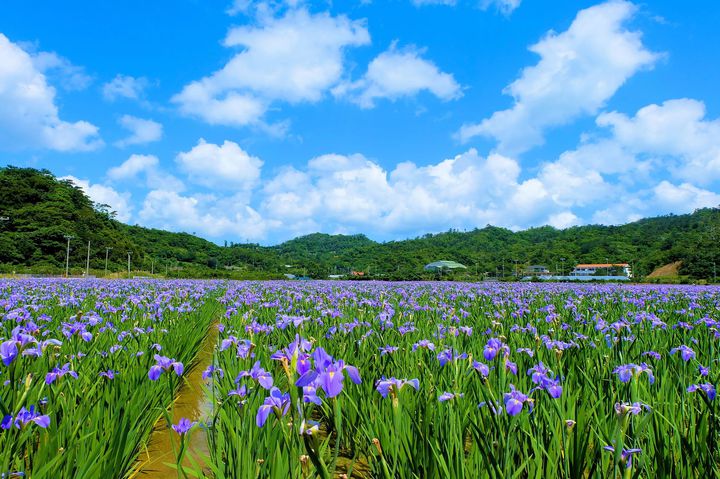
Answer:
(601, 265)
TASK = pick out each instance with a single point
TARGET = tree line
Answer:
(38, 212)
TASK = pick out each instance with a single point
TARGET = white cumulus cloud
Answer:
(398, 73)
(146, 167)
(125, 86)
(294, 58)
(142, 131)
(220, 166)
(578, 71)
(29, 117)
(105, 195)
(677, 131)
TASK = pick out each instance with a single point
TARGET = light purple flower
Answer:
(23, 417)
(276, 402)
(57, 373)
(446, 396)
(686, 353)
(625, 455)
(258, 374)
(514, 401)
(164, 364)
(386, 386)
(183, 426)
(707, 388)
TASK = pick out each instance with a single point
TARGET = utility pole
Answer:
(107, 253)
(87, 265)
(152, 266)
(67, 255)
(129, 253)
(714, 273)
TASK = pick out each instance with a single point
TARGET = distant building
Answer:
(536, 270)
(604, 269)
(444, 265)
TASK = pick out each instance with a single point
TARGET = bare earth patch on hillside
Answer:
(669, 270)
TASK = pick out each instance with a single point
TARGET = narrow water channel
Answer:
(193, 403)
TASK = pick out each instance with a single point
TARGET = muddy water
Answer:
(192, 402)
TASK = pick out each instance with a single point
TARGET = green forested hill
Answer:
(42, 210)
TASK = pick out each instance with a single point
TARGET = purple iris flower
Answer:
(446, 396)
(622, 409)
(110, 374)
(494, 347)
(449, 355)
(8, 351)
(538, 372)
(310, 395)
(25, 416)
(183, 426)
(686, 353)
(552, 386)
(258, 374)
(207, 374)
(652, 354)
(704, 371)
(626, 371)
(387, 350)
(707, 388)
(38, 350)
(57, 373)
(424, 344)
(164, 364)
(511, 366)
(625, 455)
(327, 374)
(514, 401)
(299, 345)
(386, 386)
(482, 368)
(276, 402)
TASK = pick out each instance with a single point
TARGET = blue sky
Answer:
(264, 120)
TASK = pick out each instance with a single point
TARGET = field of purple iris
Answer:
(328, 379)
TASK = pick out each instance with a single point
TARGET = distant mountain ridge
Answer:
(43, 210)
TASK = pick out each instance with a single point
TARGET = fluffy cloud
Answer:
(505, 7)
(28, 116)
(105, 195)
(578, 71)
(220, 166)
(125, 86)
(676, 131)
(683, 198)
(397, 73)
(294, 58)
(147, 166)
(141, 131)
(205, 215)
(71, 77)
(351, 193)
